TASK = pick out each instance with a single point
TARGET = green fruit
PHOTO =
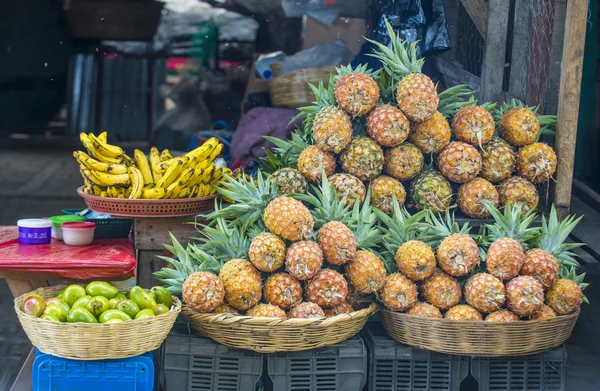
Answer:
(73, 293)
(113, 314)
(97, 305)
(34, 295)
(147, 313)
(58, 311)
(82, 302)
(80, 315)
(121, 296)
(34, 305)
(114, 320)
(57, 301)
(151, 293)
(142, 298)
(129, 307)
(163, 296)
(112, 303)
(161, 309)
(60, 293)
(101, 288)
(50, 317)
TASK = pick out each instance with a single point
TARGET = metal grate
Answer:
(469, 48)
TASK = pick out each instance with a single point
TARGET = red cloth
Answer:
(104, 258)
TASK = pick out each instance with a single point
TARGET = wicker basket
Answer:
(269, 335)
(148, 208)
(479, 338)
(292, 90)
(94, 341)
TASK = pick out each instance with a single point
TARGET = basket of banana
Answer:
(158, 186)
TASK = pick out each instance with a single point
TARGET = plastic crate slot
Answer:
(229, 364)
(326, 364)
(299, 365)
(202, 363)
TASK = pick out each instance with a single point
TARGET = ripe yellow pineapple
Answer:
(348, 187)
(460, 162)
(337, 242)
(328, 289)
(356, 92)
(519, 126)
(332, 129)
(505, 257)
(363, 158)
(242, 282)
(425, 310)
(399, 293)
(502, 316)
(288, 181)
(303, 260)
(203, 292)
(366, 272)
(474, 125)
(518, 191)
(225, 309)
(565, 297)
(441, 290)
(288, 218)
(541, 265)
(267, 252)
(282, 290)
(544, 313)
(403, 162)
(499, 160)
(431, 190)
(416, 260)
(473, 195)
(383, 188)
(463, 312)
(306, 310)
(536, 162)
(313, 160)
(431, 135)
(266, 311)
(524, 295)
(343, 308)
(485, 292)
(458, 254)
(388, 126)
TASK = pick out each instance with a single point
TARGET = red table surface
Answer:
(103, 259)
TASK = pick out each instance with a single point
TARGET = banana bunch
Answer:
(108, 172)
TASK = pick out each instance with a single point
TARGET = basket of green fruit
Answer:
(97, 321)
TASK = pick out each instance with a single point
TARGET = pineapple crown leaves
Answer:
(547, 122)
(454, 98)
(324, 96)
(325, 204)
(442, 226)
(570, 273)
(401, 58)
(387, 86)
(286, 152)
(225, 240)
(363, 222)
(554, 233)
(347, 69)
(510, 224)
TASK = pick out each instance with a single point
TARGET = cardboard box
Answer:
(348, 30)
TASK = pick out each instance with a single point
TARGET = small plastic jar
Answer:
(34, 231)
(57, 222)
(78, 234)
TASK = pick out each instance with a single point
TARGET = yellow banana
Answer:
(121, 192)
(93, 164)
(164, 166)
(88, 176)
(107, 179)
(137, 183)
(165, 155)
(105, 149)
(184, 193)
(154, 162)
(154, 193)
(186, 176)
(128, 191)
(205, 150)
(103, 137)
(85, 140)
(143, 166)
(215, 152)
(127, 160)
(97, 190)
(103, 194)
(174, 187)
(171, 174)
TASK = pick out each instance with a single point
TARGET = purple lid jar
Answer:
(34, 231)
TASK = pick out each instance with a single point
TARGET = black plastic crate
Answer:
(194, 363)
(394, 366)
(110, 228)
(342, 366)
(538, 372)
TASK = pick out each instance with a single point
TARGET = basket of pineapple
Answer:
(161, 186)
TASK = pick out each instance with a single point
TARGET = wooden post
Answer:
(494, 54)
(568, 101)
(520, 49)
(556, 56)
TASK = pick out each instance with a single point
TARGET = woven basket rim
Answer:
(142, 201)
(420, 319)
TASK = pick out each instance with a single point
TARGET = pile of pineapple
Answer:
(388, 130)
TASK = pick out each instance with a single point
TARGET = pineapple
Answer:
(289, 180)
(415, 260)
(356, 92)
(485, 292)
(399, 293)
(343, 308)
(358, 301)
(288, 218)
(383, 189)
(473, 195)
(366, 272)
(541, 265)
(328, 289)
(463, 312)
(505, 258)
(282, 290)
(332, 129)
(303, 260)
(536, 162)
(566, 296)
(267, 252)
(460, 162)
(517, 190)
(242, 282)
(441, 290)
(203, 292)
(519, 126)
(348, 187)
(388, 126)
(431, 190)
(266, 311)
(313, 160)
(524, 295)
(431, 135)
(458, 254)
(499, 160)
(403, 162)
(425, 310)
(363, 158)
(474, 125)
(544, 313)
(225, 309)
(502, 316)
(337, 242)
(306, 310)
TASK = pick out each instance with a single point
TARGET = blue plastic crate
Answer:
(51, 373)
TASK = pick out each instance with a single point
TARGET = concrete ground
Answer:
(37, 183)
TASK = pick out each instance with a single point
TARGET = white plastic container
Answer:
(78, 234)
(264, 61)
(34, 231)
